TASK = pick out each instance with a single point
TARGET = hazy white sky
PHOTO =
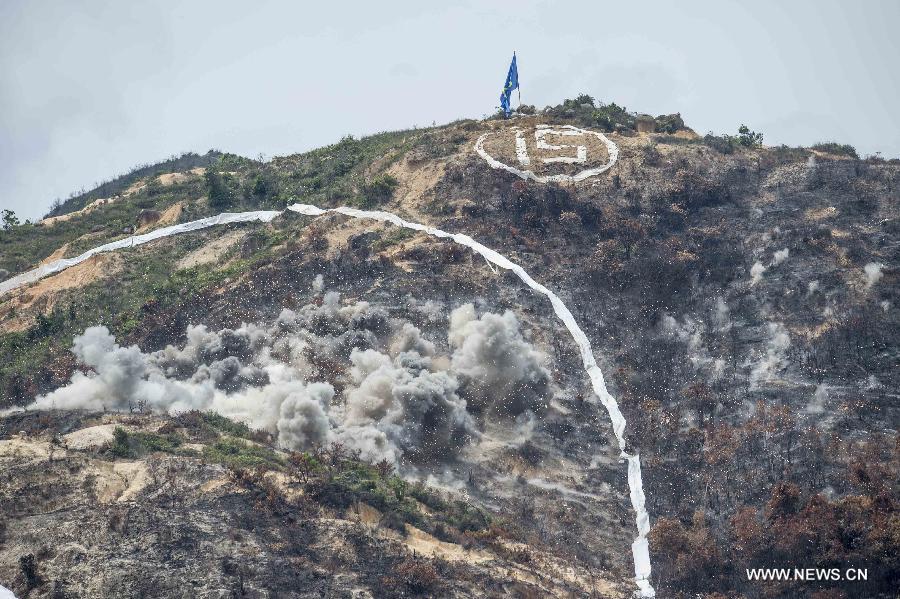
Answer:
(89, 89)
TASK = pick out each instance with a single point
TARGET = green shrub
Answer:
(399, 487)
(217, 190)
(121, 447)
(392, 237)
(427, 497)
(379, 190)
(133, 445)
(724, 144)
(226, 425)
(152, 188)
(748, 138)
(150, 442)
(837, 149)
(240, 454)
(611, 116)
(466, 518)
(262, 188)
(669, 123)
(587, 112)
(118, 185)
(581, 100)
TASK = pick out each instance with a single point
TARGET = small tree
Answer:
(379, 190)
(216, 190)
(748, 138)
(262, 187)
(10, 219)
(121, 445)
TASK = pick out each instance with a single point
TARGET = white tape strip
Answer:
(639, 548)
(53, 267)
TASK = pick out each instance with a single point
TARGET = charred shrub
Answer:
(531, 453)
(28, 569)
(719, 259)
(608, 260)
(412, 576)
(692, 559)
(570, 222)
(661, 272)
(535, 205)
(692, 191)
(784, 155)
(395, 521)
(651, 154)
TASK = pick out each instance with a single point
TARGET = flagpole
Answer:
(519, 84)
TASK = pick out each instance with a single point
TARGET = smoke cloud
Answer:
(326, 372)
(775, 358)
(756, 273)
(499, 371)
(780, 256)
(873, 273)
(817, 404)
(690, 332)
(721, 316)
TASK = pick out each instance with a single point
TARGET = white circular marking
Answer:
(524, 160)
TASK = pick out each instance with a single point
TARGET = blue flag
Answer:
(512, 82)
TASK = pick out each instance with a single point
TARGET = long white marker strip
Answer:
(611, 148)
(639, 547)
(53, 267)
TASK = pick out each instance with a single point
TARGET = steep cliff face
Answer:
(741, 301)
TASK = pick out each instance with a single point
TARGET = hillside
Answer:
(418, 422)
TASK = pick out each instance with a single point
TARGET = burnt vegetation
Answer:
(763, 409)
(297, 508)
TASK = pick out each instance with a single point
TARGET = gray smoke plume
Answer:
(417, 410)
(122, 378)
(323, 373)
(691, 331)
(873, 273)
(774, 360)
(499, 371)
(303, 416)
(756, 273)
(780, 256)
(721, 316)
